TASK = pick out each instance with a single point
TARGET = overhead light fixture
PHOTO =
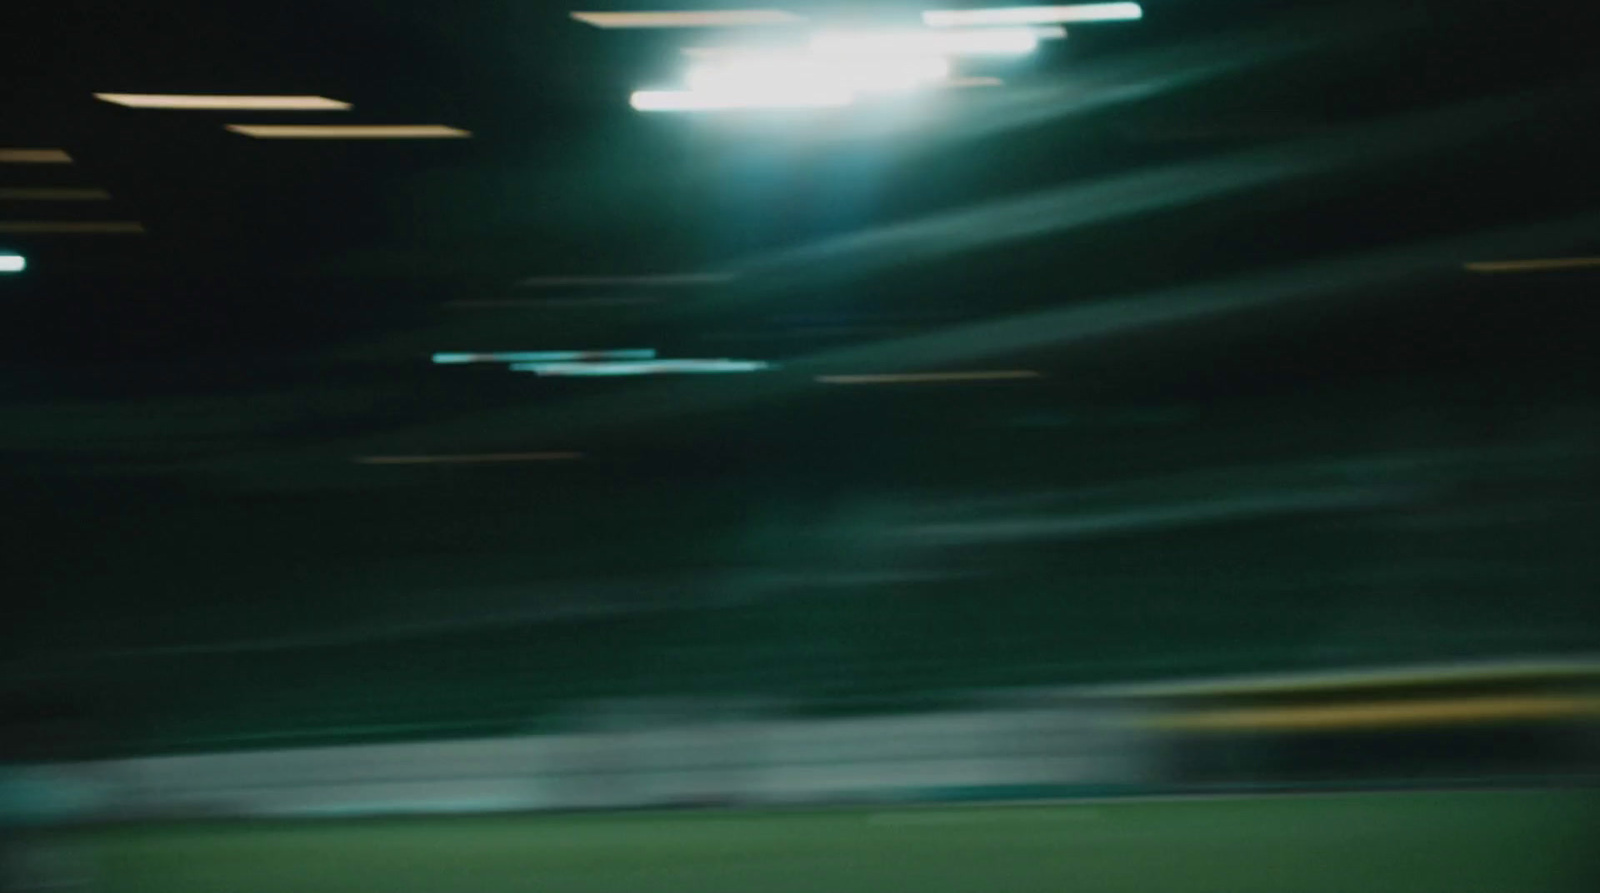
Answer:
(469, 458)
(543, 356)
(1033, 15)
(963, 42)
(642, 367)
(52, 194)
(1537, 265)
(34, 156)
(725, 18)
(664, 280)
(12, 263)
(704, 101)
(205, 101)
(928, 377)
(71, 227)
(349, 131)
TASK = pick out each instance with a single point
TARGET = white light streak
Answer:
(349, 131)
(203, 101)
(1033, 15)
(727, 18)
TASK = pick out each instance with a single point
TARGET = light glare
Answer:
(727, 18)
(703, 101)
(12, 263)
(647, 367)
(1033, 15)
(222, 102)
(973, 42)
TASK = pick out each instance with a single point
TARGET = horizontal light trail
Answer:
(1033, 15)
(726, 18)
(1537, 265)
(204, 101)
(544, 356)
(349, 131)
(34, 156)
(605, 369)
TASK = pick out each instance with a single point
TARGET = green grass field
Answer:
(1526, 842)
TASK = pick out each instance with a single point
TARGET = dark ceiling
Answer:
(1276, 421)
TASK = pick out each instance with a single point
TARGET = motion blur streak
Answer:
(1385, 713)
(727, 18)
(927, 377)
(544, 356)
(974, 42)
(1212, 510)
(12, 263)
(641, 367)
(71, 227)
(34, 156)
(223, 102)
(1033, 15)
(469, 459)
(52, 194)
(1533, 266)
(349, 131)
(1080, 204)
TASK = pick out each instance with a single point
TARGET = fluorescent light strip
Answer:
(469, 459)
(222, 102)
(12, 263)
(1033, 15)
(543, 356)
(1533, 266)
(34, 156)
(708, 101)
(666, 280)
(928, 377)
(349, 131)
(71, 227)
(646, 367)
(51, 194)
(727, 18)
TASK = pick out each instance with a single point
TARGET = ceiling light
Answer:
(727, 18)
(51, 194)
(966, 42)
(12, 263)
(349, 131)
(704, 101)
(1533, 266)
(665, 280)
(218, 101)
(646, 367)
(927, 377)
(70, 227)
(34, 156)
(543, 356)
(469, 458)
(1033, 15)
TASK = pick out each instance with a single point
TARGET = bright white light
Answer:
(544, 356)
(12, 263)
(217, 101)
(970, 42)
(644, 367)
(757, 79)
(349, 131)
(1033, 15)
(700, 101)
(726, 18)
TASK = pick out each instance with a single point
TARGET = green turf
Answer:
(1527, 842)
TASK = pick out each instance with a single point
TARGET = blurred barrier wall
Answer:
(723, 762)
